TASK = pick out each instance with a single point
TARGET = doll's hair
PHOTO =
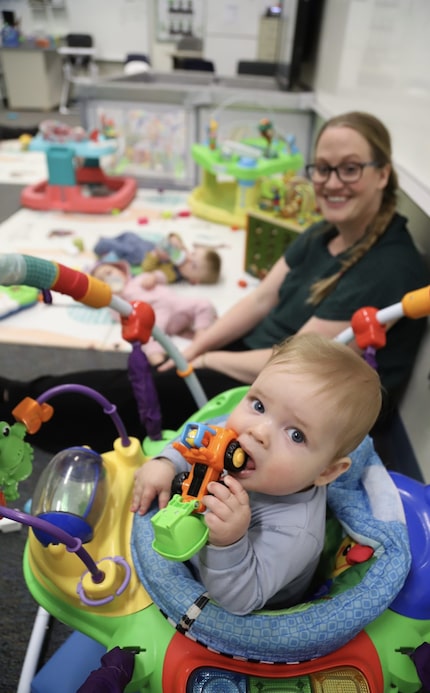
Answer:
(378, 137)
(353, 386)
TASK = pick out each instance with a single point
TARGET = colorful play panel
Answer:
(268, 235)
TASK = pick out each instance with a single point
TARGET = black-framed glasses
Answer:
(349, 172)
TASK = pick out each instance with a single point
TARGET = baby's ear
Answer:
(334, 470)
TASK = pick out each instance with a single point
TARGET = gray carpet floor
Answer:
(17, 607)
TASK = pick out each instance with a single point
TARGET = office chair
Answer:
(189, 44)
(187, 48)
(256, 67)
(199, 64)
(78, 53)
(135, 63)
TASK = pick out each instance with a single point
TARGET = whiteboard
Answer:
(234, 17)
(118, 26)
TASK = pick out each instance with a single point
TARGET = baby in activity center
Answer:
(308, 409)
(175, 313)
(163, 262)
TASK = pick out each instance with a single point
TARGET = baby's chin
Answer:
(243, 474)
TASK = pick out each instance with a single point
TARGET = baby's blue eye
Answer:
(296, 435)
(258, 406)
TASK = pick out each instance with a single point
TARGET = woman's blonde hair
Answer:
(378, 137)
(353, 386)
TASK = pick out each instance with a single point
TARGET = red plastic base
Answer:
(70, 198)
(357, 659)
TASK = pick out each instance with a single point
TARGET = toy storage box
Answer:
(266, 239)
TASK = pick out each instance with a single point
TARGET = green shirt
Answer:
(391, 268)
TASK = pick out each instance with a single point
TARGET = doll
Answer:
(175, 314)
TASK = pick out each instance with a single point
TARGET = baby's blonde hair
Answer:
(343, 375)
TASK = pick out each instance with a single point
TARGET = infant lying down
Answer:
(175, 314)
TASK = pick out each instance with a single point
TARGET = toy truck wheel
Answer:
(235, 458)
(177, 483)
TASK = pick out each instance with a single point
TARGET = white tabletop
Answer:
(71, 50)
(60, 237)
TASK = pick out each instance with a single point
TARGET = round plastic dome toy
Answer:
(71, 493)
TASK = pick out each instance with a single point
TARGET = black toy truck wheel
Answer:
(176, 488)
(235, 458)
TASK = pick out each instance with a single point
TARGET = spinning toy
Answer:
(73, 165)
(233, 172)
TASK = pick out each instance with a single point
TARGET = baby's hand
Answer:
(153, 478)
(230, 514)
(162, 254)
(148, 280)
(175, 240)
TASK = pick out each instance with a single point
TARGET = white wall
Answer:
(126, 26)
(231, 32)
(118, 26)
(374, 55)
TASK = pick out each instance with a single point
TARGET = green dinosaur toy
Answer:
(16, 457)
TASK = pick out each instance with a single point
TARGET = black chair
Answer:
(198, 64)
(79, 41)
(78, 54)
(190, 43)
(256, 67)
(137, 57)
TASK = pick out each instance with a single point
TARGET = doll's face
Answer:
(113, 276)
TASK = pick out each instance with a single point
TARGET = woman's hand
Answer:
(156, 358)
(191, 354)
(229, 511)
(154, 478)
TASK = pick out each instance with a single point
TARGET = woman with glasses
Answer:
(361, 255)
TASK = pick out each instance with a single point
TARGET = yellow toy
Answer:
(233, 172)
